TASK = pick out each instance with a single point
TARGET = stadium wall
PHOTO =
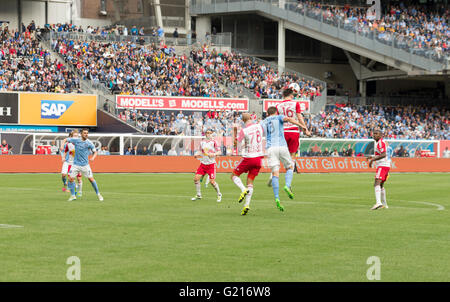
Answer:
(161, 164)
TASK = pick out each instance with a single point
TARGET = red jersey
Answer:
(289, 108)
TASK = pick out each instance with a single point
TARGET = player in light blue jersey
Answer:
(83, 148)
(277, 150)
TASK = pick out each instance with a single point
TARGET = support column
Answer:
(363, 88)
(281, 45)
(202, 26)
(19, 15)
(158, 15)
(187, 17)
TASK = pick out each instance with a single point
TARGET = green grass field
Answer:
(148, 229)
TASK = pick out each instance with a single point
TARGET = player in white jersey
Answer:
(277, 151)
(68, 154)
(207, 156)
(252, 136)
(382, 159)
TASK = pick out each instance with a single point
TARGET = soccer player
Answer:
(252, 134)
(83, 147)
(68, 154)
(382, 159)
(277, 151)
(207, 155)
(291, 108)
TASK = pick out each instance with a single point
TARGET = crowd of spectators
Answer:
(26, 66)
(422, 30)
(129, 68)
(410, 122)
(183, 123)
(265, 81)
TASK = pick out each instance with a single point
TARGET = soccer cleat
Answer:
(100, 197)
(289, 192)
(245, 211)
(72, 198)
(279, 206)
(243, 194)
(64, 189)
(79, 194)
(377, 206)
(196, 197)
(269, 183)
(219, 197)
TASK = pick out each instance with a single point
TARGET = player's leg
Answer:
(274, 164)
(72, 174)
(87, 172)
(377, 186)
(253, 172)
(79, 185)
(212, 179)
(207, 181)
(235, 177)
(288, 164)
(292, 140)
(383, 190)
(198, 188)
(383, 195)
(64, 172)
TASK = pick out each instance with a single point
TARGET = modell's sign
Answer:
(304, 104)
(180, 103)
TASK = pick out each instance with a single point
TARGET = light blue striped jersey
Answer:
(274, 131)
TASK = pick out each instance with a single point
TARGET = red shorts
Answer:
(292, 141)
(382, 173)
(250, 165)
(207, 169)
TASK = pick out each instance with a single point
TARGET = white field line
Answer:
(439, 207)
(10, 226)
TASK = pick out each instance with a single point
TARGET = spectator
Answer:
(335, 153)
(53, 148)
(157, 149)
(172, 152)
(5, 148)
(349, 151)
(145, 151)
(175, 35)
(446, 153)
(129, 151)
(325, 152)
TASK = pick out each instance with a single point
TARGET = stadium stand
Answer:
(26, 66)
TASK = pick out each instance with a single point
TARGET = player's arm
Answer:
(303, 124)
(92, 147)
(292, 121)
(371, 159)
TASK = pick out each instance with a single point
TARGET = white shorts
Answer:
(277, 154)
(66, 168)
(83, 170)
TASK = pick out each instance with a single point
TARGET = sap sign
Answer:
(54, 109)
(57, 109)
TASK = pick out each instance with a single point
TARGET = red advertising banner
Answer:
(180, 103)
(304, 104)
(156, 164)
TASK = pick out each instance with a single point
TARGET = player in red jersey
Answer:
(253, 153)
(382, 159)
(291, 108)
(207, 155)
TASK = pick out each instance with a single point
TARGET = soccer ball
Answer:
(295, 87)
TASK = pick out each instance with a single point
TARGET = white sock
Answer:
(378, 194)
(238, 183)
(80, 186)
(248, 198)
(198, 188)
(207, 179)
(383, 196)
(216, 187)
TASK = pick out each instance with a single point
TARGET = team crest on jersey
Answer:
(54, 109)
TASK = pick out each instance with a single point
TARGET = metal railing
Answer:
(391, 44)
(220, 39)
